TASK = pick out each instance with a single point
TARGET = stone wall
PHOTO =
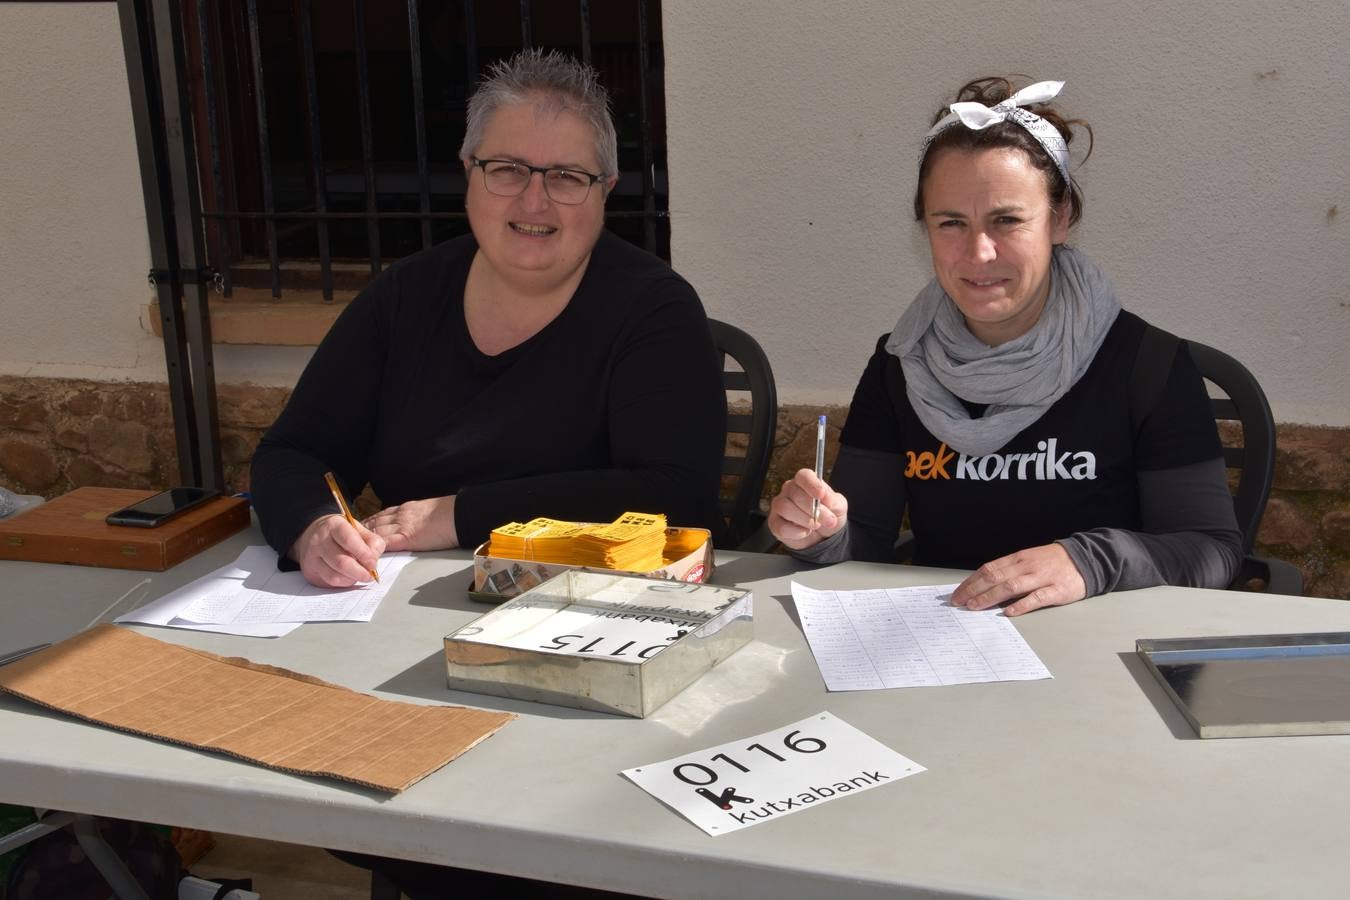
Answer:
(58, 434)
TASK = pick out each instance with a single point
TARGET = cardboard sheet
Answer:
(277, 718)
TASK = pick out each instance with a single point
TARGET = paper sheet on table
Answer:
(250, 597)
(910, 637)
(753, 779)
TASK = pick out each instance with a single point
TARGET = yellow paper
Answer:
(633, 542)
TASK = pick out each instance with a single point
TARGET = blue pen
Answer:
(820, 465)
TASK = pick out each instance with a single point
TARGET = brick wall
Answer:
(58, 434)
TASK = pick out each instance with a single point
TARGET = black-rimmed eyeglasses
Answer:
(508, 178)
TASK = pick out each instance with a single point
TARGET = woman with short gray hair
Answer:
(552, 82)
(528, 369)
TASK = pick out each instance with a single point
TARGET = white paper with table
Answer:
(909, 637)
(251, 597)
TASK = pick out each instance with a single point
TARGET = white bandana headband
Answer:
(977, 117)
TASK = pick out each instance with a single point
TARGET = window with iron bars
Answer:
(329, 132)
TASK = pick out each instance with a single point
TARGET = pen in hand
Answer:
(346, 513)
(820, 466)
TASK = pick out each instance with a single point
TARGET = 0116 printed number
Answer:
(699, 775)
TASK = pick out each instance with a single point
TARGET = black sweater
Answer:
(615, 405)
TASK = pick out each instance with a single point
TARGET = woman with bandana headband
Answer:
(998, 411)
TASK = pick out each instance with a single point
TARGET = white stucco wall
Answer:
(73, 246)
(1218, 197)
(74, 250)
(1223, 147)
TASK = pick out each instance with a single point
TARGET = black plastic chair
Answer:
(746, 374)
(1253, 460)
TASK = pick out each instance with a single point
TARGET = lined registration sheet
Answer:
(910, 637)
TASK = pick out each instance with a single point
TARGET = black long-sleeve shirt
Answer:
(615, 405)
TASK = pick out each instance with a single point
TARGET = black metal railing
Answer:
(169, 172)
(208, 82)
(255, 209)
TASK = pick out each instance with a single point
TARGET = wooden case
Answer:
(70, 529)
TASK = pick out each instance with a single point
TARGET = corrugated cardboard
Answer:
(70, 529)
(496, 578)
(276, 718)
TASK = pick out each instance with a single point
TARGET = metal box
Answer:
(689, 552)
(1259, 685)
(590, 640)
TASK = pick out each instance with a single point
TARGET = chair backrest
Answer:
(746, 375)
(1254, 458)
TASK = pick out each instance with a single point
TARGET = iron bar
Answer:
(526, 38)
(470, 43)
(419, 119)
(367, 135)
(648, 165)
(315, 144)
(264, 144)
(585, 11)
(225, 243)
(181, 153)
(148, 121)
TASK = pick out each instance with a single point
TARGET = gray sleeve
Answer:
(874, 484)
(1190, 535)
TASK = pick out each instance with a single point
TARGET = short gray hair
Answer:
(553, 82)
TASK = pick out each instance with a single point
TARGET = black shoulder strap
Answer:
(1152, 364)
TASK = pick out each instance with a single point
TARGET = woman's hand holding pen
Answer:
(336, 552)
(333, 552)
(790, 518)
(417, 525)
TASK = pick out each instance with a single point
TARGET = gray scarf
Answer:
(1020, 379)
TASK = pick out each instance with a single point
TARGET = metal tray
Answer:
(614, 643)
(1259, 685)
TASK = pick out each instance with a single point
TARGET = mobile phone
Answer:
(161, 507)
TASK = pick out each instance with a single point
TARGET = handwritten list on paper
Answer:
(909, 637)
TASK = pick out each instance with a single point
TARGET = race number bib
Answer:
(793, 768)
